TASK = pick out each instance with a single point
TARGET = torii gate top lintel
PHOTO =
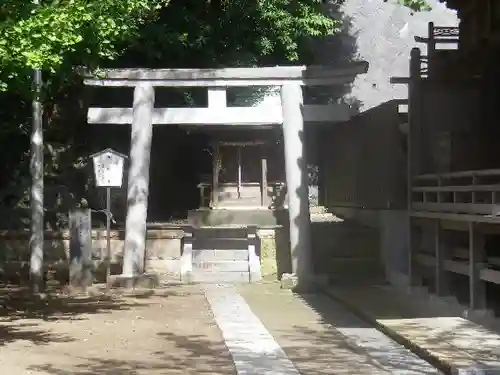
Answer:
(315, 75)
(217, 81)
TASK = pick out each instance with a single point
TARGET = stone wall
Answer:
(163, 251)
(163, 248)
(347, 252)
(343, 251)
(274, 253)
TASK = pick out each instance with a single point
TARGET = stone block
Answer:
(269, 268)
(187, 277)
(220, 277)
(163, 265)
(163, 248)
(131, 282)
(289, 281)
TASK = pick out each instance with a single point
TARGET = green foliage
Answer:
(215, 33)
(416, 5)
(56, 32)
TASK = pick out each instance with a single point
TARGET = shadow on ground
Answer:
(429, 325)
(363, 338)
(320, 337)
(22, 313)
(190, 355)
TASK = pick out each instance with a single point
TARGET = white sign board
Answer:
(108, 168)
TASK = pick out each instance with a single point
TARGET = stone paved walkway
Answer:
(254, 350)
(321, 337)
(463, 346)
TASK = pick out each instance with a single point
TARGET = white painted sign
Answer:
(108, 168)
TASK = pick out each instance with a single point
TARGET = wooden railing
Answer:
(465, 195)
(459, 263)
(470, 197)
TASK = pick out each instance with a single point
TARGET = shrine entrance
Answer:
(235, 176)
(246, 174)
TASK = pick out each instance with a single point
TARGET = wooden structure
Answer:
(241, 176)
(453, 191)
(290, 115)
(479, 35)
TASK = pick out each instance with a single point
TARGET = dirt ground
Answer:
(170, 331)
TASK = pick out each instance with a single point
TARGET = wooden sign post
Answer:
(108, 170)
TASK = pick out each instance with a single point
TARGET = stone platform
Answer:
(428, 325)
(256, 217)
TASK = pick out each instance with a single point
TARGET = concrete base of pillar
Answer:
(311, 284)
(186, 277)
(289, 281)
(149, 281)
(255, 277)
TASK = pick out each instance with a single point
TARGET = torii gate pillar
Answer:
(138, 181)
(297, 184)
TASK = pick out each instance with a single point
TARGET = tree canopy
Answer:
(56, 34)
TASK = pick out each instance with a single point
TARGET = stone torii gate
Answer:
(292, 115)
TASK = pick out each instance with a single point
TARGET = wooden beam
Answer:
(477, 288)
(264, 202)
(459, 174)
(263, 76)
(457, 188)
(456, 217)
(215, 176)
(441, 257)
(242, 143)
(458, 208)
(220, 116)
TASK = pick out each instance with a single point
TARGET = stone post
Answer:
(477, 260)
(80, 249)
(254, 254)
(297, 184)
(138, 181)
(187, 255)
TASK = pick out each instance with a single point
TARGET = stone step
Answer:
(236, 217)
(220, 277)
(235, 232)
(220, 243)
(318, 209)
(219, 255)
(221, 266)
